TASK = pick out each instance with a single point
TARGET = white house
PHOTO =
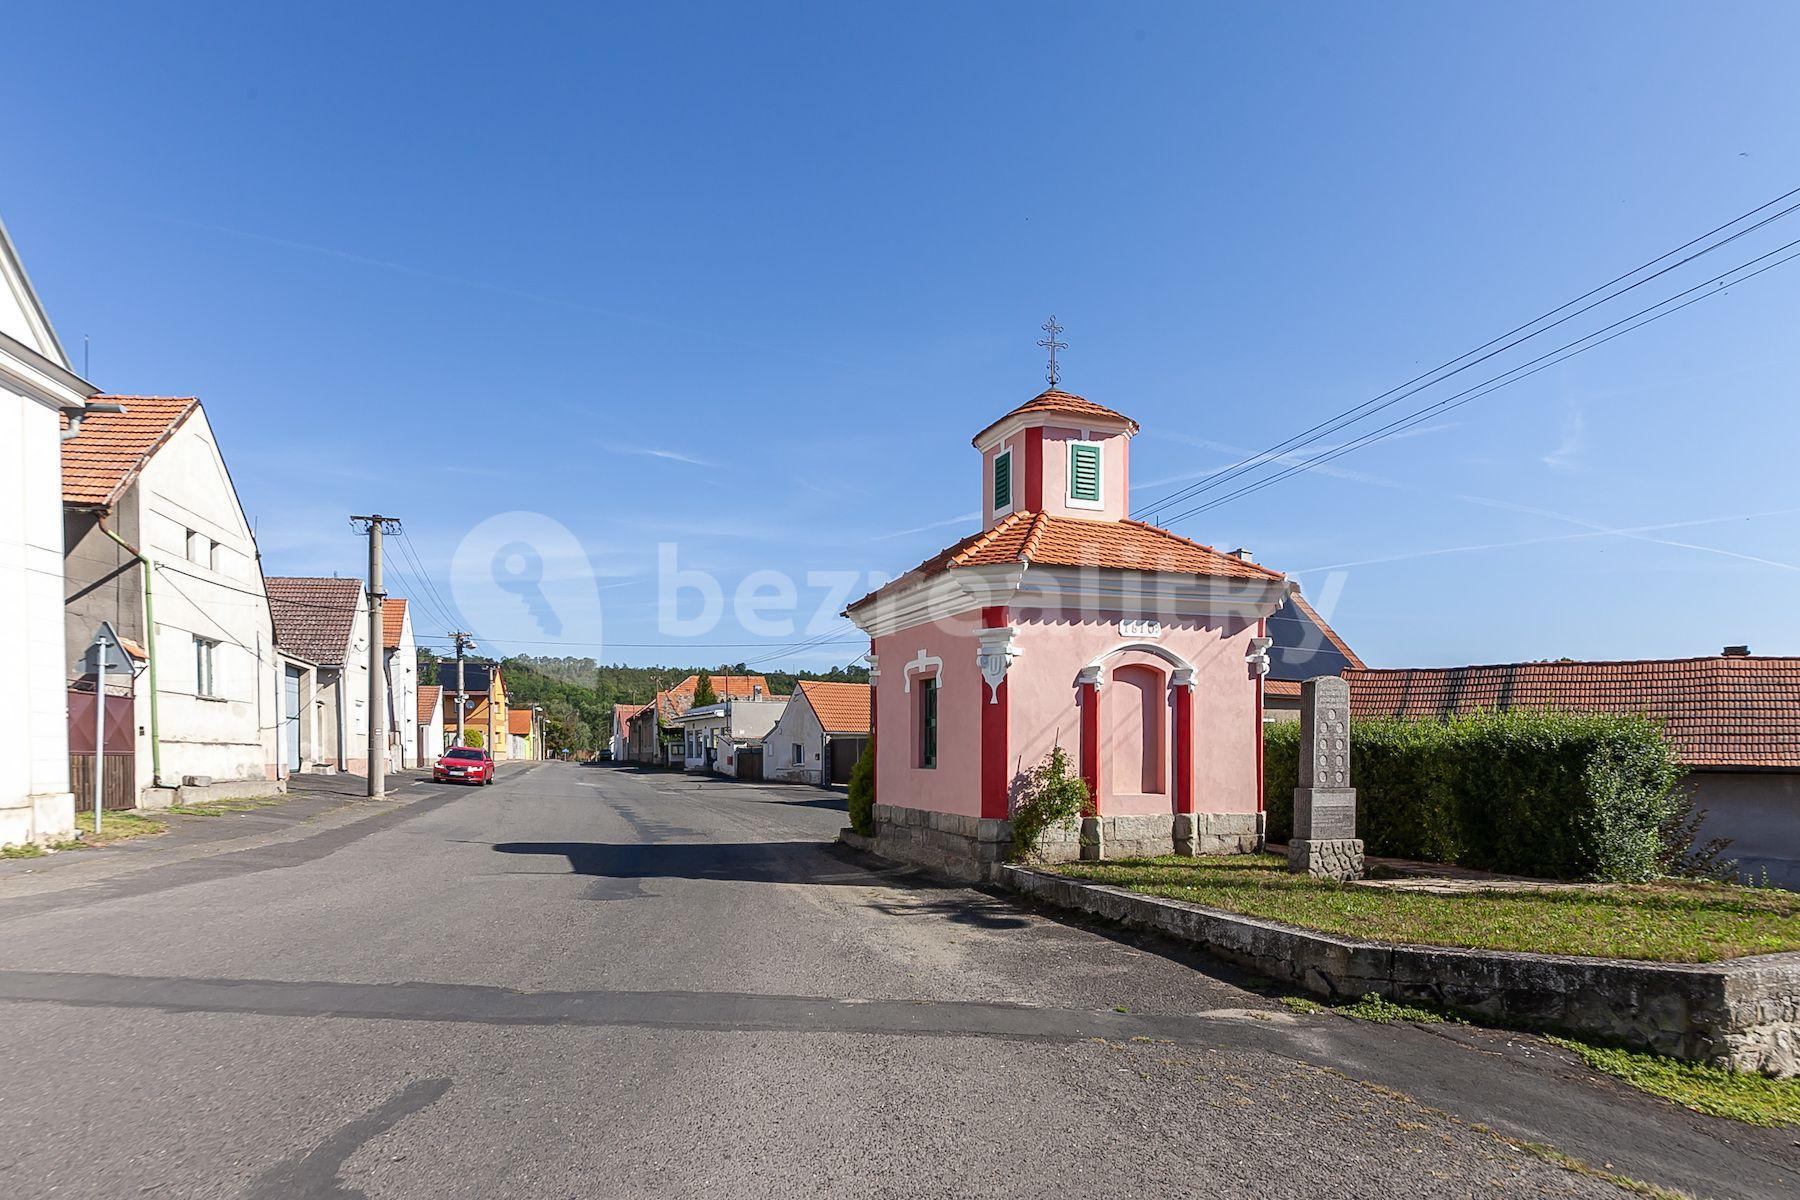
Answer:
(713, 734)
(820, 735)
(37, 390)
(431, 724)
(401, 655)
(325, 622)
(159, 547)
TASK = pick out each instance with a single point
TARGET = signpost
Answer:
(104, 654)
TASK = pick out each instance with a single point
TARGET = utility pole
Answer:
(375, 526)
(463, 642)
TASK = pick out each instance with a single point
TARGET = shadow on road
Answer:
(744, 862)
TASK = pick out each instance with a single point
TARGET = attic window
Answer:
(1003, 480)
(1084, 473)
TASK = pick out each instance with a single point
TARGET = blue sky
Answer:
(691, 274)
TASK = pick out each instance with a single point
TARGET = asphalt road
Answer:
(596, 982)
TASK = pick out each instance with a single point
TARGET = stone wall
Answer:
(1743, 1014)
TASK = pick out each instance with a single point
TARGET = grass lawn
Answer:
(1665, 922)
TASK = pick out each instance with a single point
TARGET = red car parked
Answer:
(464, 764)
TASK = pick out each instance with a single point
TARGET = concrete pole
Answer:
(377, 670)
(461, 693)
(377, 525)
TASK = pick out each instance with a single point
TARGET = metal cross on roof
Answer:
(1053, 373)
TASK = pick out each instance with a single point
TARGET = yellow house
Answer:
(482, 702)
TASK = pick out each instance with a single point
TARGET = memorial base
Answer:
(1333, 858)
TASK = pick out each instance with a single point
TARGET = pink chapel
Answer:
(1064, 622)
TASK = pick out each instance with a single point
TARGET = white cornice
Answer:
(1104, 591)
(25, 371)
(1086, 426)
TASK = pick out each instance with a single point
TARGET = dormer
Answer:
(1056, 453)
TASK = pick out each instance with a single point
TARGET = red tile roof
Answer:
(313, 616)
(393, 620)
(429, 696)
(518, 720)
(1331, 634)
(1076, 542)
(841, 707)
(102, 460)
(1063, 403)
(1718, 711)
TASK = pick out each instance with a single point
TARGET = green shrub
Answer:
(474, 738)
(862, 791)
(1050, 795)
(1564, 795)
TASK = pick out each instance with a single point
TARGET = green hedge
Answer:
(1562, 795)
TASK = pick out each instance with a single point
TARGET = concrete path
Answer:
(589, 981)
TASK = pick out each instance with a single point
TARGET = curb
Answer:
(1742, 1013)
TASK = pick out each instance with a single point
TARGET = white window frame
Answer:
(1012, 481)
(1099, 476)
(206, 669)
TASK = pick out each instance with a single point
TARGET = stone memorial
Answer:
(1324, 843)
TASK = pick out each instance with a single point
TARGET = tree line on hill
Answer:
(578, 694)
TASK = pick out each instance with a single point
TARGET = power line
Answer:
(443, 637)
(445, 609)
(1432, 377)
(1495, 383)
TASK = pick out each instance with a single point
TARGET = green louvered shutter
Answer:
(1084, 472)
(1003, 480)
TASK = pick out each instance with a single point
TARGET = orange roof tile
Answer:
(101, 460)
(393, 620)
(841, 707)
(518, 720)
(1719, 711)
(1065, 403)
(429, 696)
(1076, 542)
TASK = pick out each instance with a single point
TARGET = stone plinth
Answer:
(1328, 858)
(1324, 843)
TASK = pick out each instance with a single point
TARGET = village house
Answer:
(1301, 646)
(522, 735)
(481, 698)
(431, 724)
(1064, 623)
(40, 398)
(1733, 718)
(820, 735)
(619, 744)
(322, 628)
(656, 736)
(400, 656)
(715, 735)
(158, 546)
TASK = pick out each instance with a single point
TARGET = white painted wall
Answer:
(35, 802)
(403, 693)
(798, 725)
(208, 586)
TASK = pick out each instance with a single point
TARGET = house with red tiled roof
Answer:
(655, 735)
(430, 730)
(158, 545)
(322, 631)
(620, 741)
(524, 734)
(820, 735)
(1733, 718)
(37, 390)
(1065, 623)
(400, 653)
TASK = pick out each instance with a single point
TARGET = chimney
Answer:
(1736, 652)
(1242, 554)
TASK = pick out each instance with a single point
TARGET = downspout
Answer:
(149, 648)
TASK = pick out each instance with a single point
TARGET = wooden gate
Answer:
(749, 762)
(844, 753)
(119, 779)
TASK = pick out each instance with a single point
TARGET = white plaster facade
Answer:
(402, 661)
(713, 735)
(36, 387)
(218, 676)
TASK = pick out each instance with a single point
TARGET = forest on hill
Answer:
(578, 694)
